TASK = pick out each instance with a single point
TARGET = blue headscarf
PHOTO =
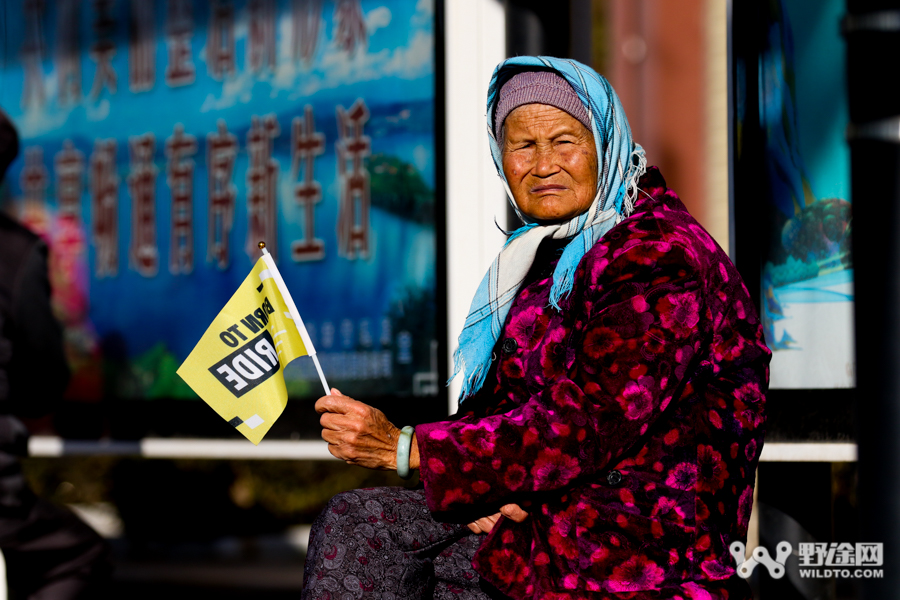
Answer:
(621, 163)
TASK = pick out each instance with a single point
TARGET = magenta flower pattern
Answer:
(635, 574)
(630, 422)
(553, 469)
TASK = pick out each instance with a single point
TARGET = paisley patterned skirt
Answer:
(383, 543)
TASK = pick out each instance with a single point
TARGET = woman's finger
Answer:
(479, 527)
(513, 512)
(333, 438)
(339, 448)
(351, 439)
(339, 422)
(343, 405)
(334, 404)
(484, 524)
(340, 404)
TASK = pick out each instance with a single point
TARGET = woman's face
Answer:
(550, 162)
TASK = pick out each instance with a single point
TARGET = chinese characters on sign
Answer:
(104, 49)
(221, 149)
(34, 182)
(69, 169)
(68, 65)
(220, 49)
(104, 186)
(261, 42)
(179, 29)
(141, 47)
(353, 219)
(180, 177)
(262, 184)
(260, 48)
(306, 144)
(32, 54)
(350, 24)
(306, 22)
(144, 255)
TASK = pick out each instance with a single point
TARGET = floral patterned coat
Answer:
(632, 420)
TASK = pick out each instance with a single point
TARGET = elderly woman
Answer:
(615, 373)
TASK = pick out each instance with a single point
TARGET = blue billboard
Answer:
(161, 141)
(807, 271)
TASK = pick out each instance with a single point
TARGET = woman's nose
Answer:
(546, 162)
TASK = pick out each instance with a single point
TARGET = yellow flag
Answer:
(237, 367)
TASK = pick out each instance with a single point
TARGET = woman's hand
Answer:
(359, 434)
(513, 512)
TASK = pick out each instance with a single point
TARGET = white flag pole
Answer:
(295, 315)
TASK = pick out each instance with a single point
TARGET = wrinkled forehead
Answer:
(540, 121)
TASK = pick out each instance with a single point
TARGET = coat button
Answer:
(613, 478)
(510, 345)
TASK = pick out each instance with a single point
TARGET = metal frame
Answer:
(49, 446)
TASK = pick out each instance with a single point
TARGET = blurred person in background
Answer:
(614, 387)
(50, 554)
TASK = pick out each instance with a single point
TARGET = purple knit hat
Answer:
(538, 87)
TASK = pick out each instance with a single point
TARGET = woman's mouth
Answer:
(541, 189)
